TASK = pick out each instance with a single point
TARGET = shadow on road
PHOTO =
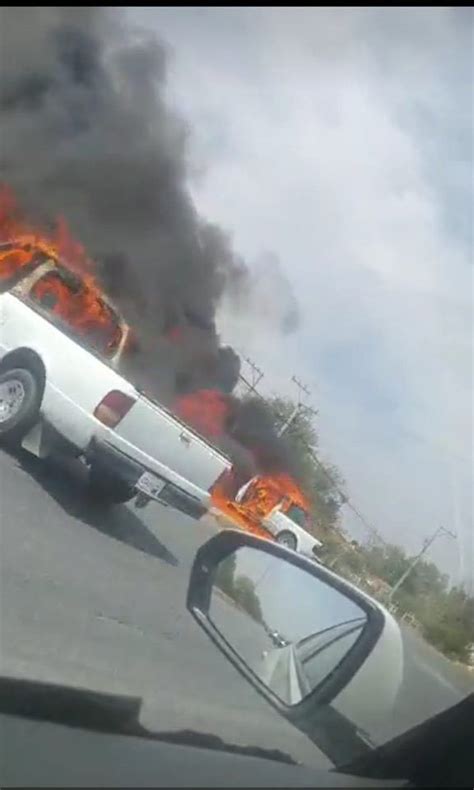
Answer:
(65, 480)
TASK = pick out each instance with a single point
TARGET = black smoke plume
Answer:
(85, 133)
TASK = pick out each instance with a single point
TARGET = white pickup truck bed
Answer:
(146, 439)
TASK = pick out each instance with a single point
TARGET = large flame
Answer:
(211, 413)
(262, 495)
(59, 243)
(24, 245)
(208, 411)
(82, 310)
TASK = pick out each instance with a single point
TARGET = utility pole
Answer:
(301, 387)
(256, 375)
(427, 543)
(290, 419)
(298, 408)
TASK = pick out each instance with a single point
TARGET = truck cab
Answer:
(280, 515)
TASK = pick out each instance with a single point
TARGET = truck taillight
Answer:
(113, 408)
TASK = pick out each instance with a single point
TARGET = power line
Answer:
(301, 387)
(252, 387)
(426, 544)
(299, 407)
(256, 376)
(344, 498)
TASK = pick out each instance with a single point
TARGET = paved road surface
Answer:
(431, 684)
(99, 600)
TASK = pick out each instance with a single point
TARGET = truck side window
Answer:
(53, 292)
(78, 309)
(48, 300)
(298, 515)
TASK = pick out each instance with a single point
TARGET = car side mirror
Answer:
(302, 636)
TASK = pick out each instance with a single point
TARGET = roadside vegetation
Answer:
(444, 615)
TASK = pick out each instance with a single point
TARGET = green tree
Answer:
(448, 622)
(388, 562)
(353, 561)
(247, 598)
(446, 616)
(426, 578)
(225, 573)
(240, 589)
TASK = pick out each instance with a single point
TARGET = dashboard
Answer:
(42, 754)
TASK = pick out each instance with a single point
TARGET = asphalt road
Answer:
(98, 600)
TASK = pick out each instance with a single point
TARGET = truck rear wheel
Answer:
(107, 489)
(287, 539)
(20, 398)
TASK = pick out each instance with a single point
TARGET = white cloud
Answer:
(323, 134)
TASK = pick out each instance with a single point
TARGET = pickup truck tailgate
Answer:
(165, 438)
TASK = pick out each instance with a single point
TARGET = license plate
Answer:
(150, 485)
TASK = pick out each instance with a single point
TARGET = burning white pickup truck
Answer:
(60, 344)
(271, 507)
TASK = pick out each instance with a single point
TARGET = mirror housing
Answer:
(362, 686)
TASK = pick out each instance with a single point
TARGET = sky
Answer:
(335, 146)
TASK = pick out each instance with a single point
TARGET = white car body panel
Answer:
(372, 692)
(192, 457)
(277, 522)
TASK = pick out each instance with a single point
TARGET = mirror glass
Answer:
(291, 628)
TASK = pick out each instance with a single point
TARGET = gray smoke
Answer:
(267, 296)
(86, 133)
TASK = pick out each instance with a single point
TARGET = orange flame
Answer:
(210, 412)
(14, 227)
(263, 494)
(25, 245)
(205, 410)
(83, 310)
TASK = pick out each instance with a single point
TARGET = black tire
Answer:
(20, 399)
(107, 489)
(287, 539)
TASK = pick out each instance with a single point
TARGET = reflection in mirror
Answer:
(291, 628)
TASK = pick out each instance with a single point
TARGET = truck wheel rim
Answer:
(12, 395)
(287, 541)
